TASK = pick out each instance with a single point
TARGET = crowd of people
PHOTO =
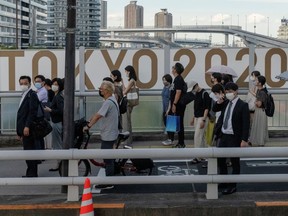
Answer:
(220, 118)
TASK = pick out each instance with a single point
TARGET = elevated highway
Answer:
(248, 37)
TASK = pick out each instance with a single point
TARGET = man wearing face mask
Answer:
(43, 98)
(26, 114)
(107, 117)
(200, 119)
(233, 130)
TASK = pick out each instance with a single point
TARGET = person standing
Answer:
(233, 129)
(200, 119)
(42, 94)
(132, 79)
(56, 113)
(27, 113)
(179, 86)
(166, 91)
(107, 116)
(259, 130)
(48, 85)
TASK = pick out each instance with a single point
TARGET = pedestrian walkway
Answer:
(146, 202)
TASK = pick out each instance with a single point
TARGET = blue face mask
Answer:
(38, 85)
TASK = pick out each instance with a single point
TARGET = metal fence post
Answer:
(73, 190)
(212, 189)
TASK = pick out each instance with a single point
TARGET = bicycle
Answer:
(121, 166)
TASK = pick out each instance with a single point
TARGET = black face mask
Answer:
(100, 93)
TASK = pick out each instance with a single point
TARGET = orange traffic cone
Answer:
(87, 202)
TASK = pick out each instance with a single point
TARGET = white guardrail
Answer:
(211, 179)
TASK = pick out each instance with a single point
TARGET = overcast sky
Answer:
(206, 12)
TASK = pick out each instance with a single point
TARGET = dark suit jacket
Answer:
(240, 119)
(27, 112)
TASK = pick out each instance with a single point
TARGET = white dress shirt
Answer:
(229, 129)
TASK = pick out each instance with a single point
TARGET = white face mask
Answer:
(54, 88)
(252, 78)
(230, 96)
(24, 87)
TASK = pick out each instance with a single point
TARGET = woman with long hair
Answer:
(132, 79)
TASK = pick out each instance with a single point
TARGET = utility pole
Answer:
(17, 36)
(69, 84)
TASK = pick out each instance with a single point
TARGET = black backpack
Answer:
(123, 105)
(269, 106)
(186, 97)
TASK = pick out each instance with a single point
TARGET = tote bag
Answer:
(250, 99)
(133, 97)
(172, 123)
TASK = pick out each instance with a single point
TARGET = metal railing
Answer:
(211, 179)
(149, 112)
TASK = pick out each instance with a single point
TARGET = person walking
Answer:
(27, 113)
(259, 130)
(233, 129)
(132, 79)
(107, 116)
(56, 113)
(166, 91)
(179, 87)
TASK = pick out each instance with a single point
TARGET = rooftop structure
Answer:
(133, 15)
(283, 30)
(163, 19)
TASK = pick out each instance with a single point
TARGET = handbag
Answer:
(133, 97)
(40, 126)
(172, 123)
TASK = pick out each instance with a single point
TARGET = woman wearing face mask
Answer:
(56, 113)
(251, 95)
(132, 79)
(166, 91)
(259, 129)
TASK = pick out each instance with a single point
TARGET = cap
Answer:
(190, 85)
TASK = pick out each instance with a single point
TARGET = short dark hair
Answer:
(60, 83)
(109, 79)
(25, 77)
(168, 78)
(256, 73)
(132, 74)
(217, 76)
(231, 86)
(226, 78)
(261, 79)
(48, 82)
(179, 68)
(40, 77)
(218, 88)
(117, 73)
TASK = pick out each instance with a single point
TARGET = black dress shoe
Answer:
(229, 191)
(54, 169)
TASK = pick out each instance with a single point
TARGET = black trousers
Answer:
(32, 165)
(229, 141)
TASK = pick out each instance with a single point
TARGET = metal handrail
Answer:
(211, 179)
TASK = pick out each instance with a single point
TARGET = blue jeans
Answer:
(109, 163)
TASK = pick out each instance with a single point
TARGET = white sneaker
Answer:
(167, 142)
